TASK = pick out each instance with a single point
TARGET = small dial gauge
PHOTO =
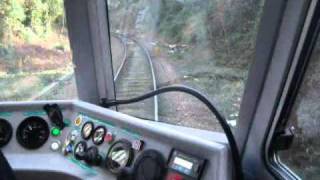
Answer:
(33, 132)
(80, 150)
(87, 130)
(119, 156)
(98, 135)
(5, 132)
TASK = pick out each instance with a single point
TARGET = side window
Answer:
(303, 157)
(35, 57)
(208, 45)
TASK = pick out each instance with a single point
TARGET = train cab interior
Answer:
(159, 90)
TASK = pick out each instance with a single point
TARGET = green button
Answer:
(55, 131)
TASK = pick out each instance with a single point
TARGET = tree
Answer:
(11, 18)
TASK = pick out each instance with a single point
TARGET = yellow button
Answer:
(78, 121)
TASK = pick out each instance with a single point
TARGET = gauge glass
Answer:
(119, 156)
(98, 135)
(5, 132)
(33, 132)
(87, 129)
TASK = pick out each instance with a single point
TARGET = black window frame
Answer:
(291, 23)
(291, 89)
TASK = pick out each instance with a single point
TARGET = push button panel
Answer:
(91, 144)
(100, 144)
(119, 151)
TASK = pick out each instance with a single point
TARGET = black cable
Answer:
(232, 142)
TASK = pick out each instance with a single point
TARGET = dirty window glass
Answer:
(205, 44)
(35, 56)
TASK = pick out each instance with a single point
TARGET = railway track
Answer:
(118, 65)
(135, 76)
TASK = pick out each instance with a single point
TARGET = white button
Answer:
(55, 146)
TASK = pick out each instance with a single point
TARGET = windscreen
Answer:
(35, 56)
(208, 45)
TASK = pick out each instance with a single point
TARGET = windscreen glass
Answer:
(35, 56)
(208, 45)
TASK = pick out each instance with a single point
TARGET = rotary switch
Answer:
(80, 150)
(92, 156)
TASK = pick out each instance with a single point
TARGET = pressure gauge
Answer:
(119, 156)
(5, 132)
(33, 132)
(87, 130)
(98, 135)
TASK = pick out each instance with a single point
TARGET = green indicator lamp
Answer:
(55, 131)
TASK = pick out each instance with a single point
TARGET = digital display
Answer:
(186, 165)
(183, 163)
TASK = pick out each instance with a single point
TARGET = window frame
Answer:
(88, 29)
(292, 86)
(290, 24)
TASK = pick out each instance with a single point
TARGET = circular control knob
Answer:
(80, 150)
(150, 165)
(92, 156)
(5, 132)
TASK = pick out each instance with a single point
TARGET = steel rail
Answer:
(154, 80)
(148, 56)
(124, 56)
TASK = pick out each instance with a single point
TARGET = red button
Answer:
(174, 176)
(109, 137)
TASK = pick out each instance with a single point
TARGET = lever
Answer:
(55, 115)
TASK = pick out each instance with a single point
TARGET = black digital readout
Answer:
(186, 165)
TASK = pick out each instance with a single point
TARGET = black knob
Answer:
(150, 165)
(80, 150)
(92, 156)
(55, 115)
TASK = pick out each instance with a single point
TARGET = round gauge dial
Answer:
(98, 135)
(80, 150)
(119, 156)
(5, 132)
(33, 132)
(87, 130)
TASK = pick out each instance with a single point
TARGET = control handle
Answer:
(92, 156)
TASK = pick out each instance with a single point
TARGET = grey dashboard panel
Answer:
(46, 163)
